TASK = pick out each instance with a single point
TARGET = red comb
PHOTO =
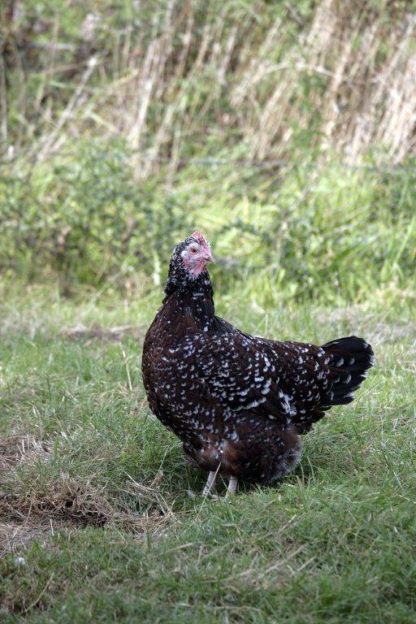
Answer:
(199, 237)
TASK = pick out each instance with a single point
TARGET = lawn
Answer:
(102, 520)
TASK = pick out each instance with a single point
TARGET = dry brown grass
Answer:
(16, 449)
(27, 514)
(367, 65)
(345, 77)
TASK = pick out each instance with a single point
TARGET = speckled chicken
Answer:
(238, 402)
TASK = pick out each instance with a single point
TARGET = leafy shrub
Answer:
(324, 232)
(84, 218)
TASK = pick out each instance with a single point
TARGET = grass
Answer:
(103, 519)
(309, 230)
(284, 131)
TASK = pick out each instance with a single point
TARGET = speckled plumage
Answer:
(238, 402)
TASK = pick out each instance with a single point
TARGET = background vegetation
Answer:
(286, 132)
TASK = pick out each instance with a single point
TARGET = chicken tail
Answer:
(349, 360)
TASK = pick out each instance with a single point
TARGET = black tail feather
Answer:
(349, 360)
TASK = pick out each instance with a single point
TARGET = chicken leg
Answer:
(210, 484)
(232, 486)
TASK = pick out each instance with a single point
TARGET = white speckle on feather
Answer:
(266, 386)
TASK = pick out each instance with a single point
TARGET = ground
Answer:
(102, 519)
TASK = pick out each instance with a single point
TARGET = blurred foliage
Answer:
(126, 125)
(306, 232)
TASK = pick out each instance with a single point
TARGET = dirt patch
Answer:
(65, 498)
(115, 334)
(15, 535)
(83, 504)
(65, 502)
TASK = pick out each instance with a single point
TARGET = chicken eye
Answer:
(193, 249)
